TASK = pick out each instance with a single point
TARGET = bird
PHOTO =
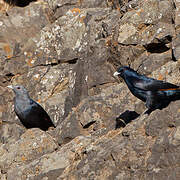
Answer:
(30, 113)
(156, 94)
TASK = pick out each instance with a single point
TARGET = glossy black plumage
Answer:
(157, 94)
(30, 113)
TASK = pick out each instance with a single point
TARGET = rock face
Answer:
(65, 53)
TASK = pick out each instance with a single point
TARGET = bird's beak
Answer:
(116, 74)
(11, 87)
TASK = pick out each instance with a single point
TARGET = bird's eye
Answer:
(18, 88)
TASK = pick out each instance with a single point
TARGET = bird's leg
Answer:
(144, 112)
(151, 101)
(147, 111)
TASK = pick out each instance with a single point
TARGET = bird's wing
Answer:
(150, 84)
(41, 113)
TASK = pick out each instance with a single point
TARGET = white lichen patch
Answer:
(33, 61)
(86, 78)
(36, 76)
(72, 79)
(32, 12)
(159, 30)
(46, 38)
(34, 144)
(54, 82)
(148, 20)
(77, 44)
(51, 77)
(160, 16)
(44, 81)
(70, 13)
(7, 23)
(17, 20)
(66, 33)
(126, 31)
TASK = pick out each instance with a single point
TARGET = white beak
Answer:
(116, 74)
(11, 87)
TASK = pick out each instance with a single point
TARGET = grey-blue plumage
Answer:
(30, 113)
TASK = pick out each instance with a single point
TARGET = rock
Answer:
(168, 72)
(10, 132)
(128, 152)
(148, 63)
(35, 63)
(53, 164)
(96, 115)
(60, 8)
(142, 33)
(65, 53)
(176, 139)
(176, 48)
(32, 144)
(14, 27)
(176, 16)
(157, 126)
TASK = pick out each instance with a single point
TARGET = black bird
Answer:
(30, 113)
(157, 94)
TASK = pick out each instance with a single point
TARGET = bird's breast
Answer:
(141, 94)
(22, 108)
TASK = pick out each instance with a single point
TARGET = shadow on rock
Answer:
(125, 118)
(19, 2)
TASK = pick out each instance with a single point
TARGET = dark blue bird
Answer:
(155, 93)
(30, 113)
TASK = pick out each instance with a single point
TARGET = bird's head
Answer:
(19, 90)
(122, 70)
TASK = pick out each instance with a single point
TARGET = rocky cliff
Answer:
(65, 53)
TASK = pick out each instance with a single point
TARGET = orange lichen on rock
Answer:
(142, 28)
(75, 10)
(36, 78)
(23, 158)
(112, 134)
(82, 19)
(39, 54)
(160, 77)
(29, 62)
(4, 7)
(166, 72)
(8, 51)
(2, 108)
(40, 149)
(80, 2)
(76, 140)
(108, 42)
(139, 12)
(142, 130)
(38, 100)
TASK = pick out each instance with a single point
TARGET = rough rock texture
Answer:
(65, 53)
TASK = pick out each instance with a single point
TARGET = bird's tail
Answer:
(174, 94)
(177, 95)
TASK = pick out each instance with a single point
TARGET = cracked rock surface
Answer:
(65, 53)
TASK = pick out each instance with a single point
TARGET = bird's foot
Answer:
(147, 111)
